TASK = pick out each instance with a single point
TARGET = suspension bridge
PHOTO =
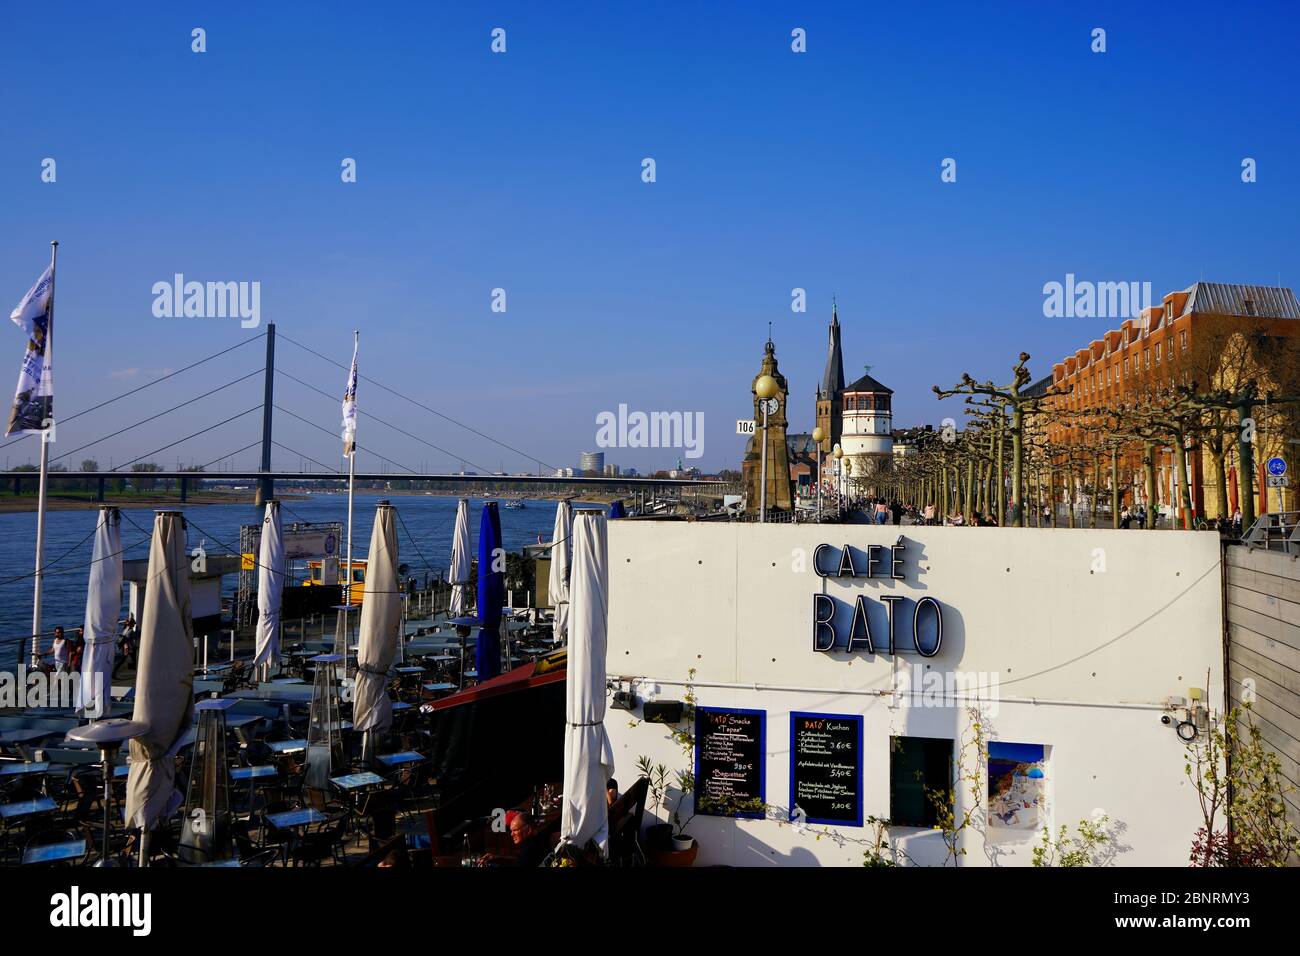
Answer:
(265, 477)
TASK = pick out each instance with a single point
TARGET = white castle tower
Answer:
(868, 419)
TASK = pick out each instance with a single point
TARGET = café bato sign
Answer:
(885, 624)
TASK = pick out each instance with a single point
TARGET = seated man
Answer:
(531, 845)
(611, 792)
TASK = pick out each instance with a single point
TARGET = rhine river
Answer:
(69, 545)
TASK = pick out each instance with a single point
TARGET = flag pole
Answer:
(352, 473)
(45, 471)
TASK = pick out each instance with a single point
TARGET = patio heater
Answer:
(343, 631)
(324, 729)
(205, 823)
(108, 735)
(463, 625)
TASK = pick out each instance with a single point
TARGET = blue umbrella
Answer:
(491, 594)
(616, 509)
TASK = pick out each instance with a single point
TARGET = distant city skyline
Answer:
(516, 180)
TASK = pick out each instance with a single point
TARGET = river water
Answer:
(423, 537)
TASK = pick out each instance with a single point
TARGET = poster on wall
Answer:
(1017, 785)
(730, 778)
(826, 768)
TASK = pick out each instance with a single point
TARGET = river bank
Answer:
(63, 502)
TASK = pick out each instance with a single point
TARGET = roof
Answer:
(867, 384)
(833, 378)
(521, 678)
(1038, 388)
(1225, 298)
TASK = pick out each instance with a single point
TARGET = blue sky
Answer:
(522, 171)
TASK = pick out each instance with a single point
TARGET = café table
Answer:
(400, 705)
(435, 687)
(352, 782)
(24, 769)
(293, 819)
(410, 669)
(287, 680)
(278, 693)
(24, 735)
(399, 759)
(54, 852)
(287, 746)
(22, 809)
(253, 774)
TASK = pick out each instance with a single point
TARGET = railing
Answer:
(1275, 532)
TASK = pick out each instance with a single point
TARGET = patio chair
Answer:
(250, 854)
(320, 842)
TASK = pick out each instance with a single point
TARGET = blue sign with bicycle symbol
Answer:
(1277, 467)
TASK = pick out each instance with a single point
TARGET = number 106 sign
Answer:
(744, 426)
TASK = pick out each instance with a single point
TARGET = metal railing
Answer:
(1275, 532)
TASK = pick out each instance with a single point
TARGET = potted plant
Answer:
(657, 834)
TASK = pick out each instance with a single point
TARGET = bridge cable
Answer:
(370, 415)
(159, 414)
(95, 408)
(419, 404)
(204, 431)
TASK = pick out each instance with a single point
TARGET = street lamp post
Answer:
(819, 436)
(765, 388)
(838, 452)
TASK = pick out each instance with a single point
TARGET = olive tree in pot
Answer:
(668, 844)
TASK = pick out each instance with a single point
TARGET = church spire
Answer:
(833, 380)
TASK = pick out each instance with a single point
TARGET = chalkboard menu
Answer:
(729, 762)
(826, 768)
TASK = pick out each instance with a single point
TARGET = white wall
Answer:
(1083, 633)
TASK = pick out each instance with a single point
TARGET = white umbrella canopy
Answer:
(460, 562)
(561, 550)
(381, 614)
(164, 680)
(103, 602)
(588, 757)
(270, 587)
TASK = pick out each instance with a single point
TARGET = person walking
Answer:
(78, 648)
(126, 645)
(62, 651)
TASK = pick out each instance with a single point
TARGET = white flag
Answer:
(350, 406)
(34, 397)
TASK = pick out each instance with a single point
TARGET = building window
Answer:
(1146, 358)
(1182, 340)
(920, 772)
(1157, 354)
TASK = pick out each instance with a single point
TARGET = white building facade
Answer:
(867, 419)
(847, 674)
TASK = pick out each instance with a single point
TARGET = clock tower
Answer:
(780, 495)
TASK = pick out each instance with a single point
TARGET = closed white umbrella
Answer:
(460, 562)
(381, 614)
(588, 757)
(103, 602)
(561, 549)
(164, 680)
(270, 585)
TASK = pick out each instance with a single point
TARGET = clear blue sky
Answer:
(522, 171)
